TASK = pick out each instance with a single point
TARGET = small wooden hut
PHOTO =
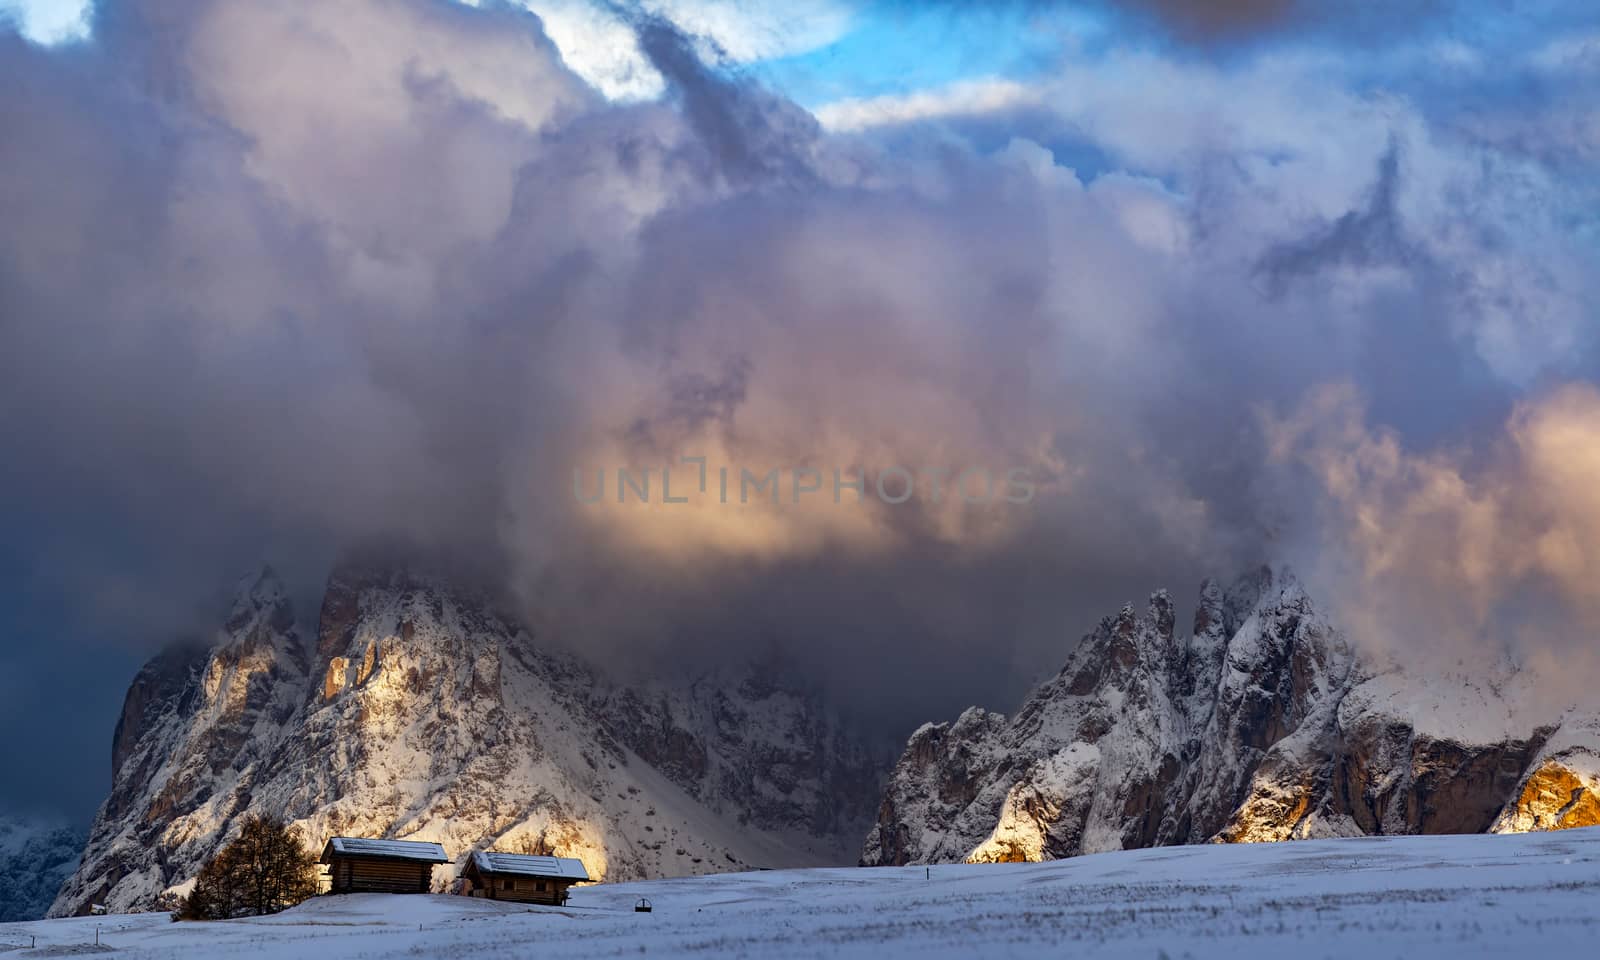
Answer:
(359, 865)
(523, 878)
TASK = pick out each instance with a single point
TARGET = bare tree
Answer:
(265, 869)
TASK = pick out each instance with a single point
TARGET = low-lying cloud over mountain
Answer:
(282, 279)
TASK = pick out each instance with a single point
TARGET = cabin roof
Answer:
(522, 865)
(388, 849)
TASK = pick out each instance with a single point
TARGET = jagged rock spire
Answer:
(1258, 725)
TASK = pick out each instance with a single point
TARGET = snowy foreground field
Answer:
(1411, 897)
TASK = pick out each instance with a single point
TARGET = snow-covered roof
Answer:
(522, 865)
(396, 849)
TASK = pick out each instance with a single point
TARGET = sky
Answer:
(1231, 282)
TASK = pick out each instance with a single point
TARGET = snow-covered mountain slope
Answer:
(1417, 897)
(417, 711)
(1262, 724)
(35, 857)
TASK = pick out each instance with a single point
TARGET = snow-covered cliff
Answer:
(416, 711)
(1262, 724)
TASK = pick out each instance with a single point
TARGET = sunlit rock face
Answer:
(1562, 788)
(1261, 725)
(1555, 797)
(415, 710)
(1367, 771)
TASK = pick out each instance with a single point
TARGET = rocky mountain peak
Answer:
(1261, 724)
(260, 597)
(420, 711)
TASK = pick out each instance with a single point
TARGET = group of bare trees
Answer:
(265, 869)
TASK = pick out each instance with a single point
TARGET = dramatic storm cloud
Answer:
(279, 281)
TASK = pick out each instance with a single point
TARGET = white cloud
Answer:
(965, 98)
(48, 21)
(600, 46)
(1581, 52)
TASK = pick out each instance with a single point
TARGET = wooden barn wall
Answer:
(381, 876)
(524, 890)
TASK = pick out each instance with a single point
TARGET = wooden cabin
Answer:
(359, 865)
(519, 877)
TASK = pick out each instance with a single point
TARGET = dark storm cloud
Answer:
(282, 280)
(1214, 24)
(1213, 18)
(1364, 237)
(689, 402)
(751, 135)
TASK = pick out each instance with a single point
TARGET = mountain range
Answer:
(414, 709)
(36, 855)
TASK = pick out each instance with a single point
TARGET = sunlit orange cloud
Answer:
(1458, 552)
(756, 522)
